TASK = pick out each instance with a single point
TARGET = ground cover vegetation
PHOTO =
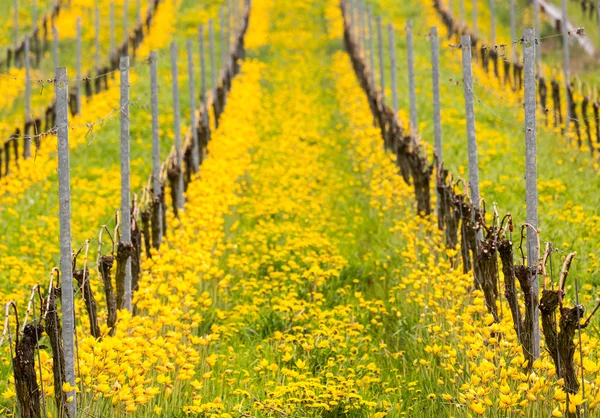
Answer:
(300, 279)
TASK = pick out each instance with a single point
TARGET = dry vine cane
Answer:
(560, 337)
(522, 321)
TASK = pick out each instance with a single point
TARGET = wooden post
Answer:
(213, 70)
(381, 65)
(16, 24)
(363, 28)
(435, 76)
(411, 77)
(202, 68)
(125, 176)
(228, 29)
(222, 36)
(112, 29)
(531, 194)
(156, 186)
(34, 17)
(474, 3)
(567, 64)
(97, 39)
(177, 124)
(28, 116)
(55, 46)
(538, 49)
(61, 87)
(78, 65)
(192, 91)
(371, 46)
(513, 31)
(470, 113)
(392, 50)
(351, 17)
(126, 25)
(493, 17)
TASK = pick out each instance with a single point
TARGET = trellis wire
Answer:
(177, 124)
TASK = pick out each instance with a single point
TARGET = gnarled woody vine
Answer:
(148, 213)
(456, 211)
(34, 126)
(513, 78)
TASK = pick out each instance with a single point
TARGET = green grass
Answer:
(551, 41)
(499, 127)
(42, 90)
(95, 169)
(346, 204)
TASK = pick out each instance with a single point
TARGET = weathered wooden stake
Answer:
(192, 91)
(16, 23)
(381, 65)
(513, 31)
(202, 68)
(363, 28)
(78, 65)
(112, 29)
(156, 186)
(567, 64)
(435, 75)
(392, 51)
(470, 113)
(224, 52)
(54, 46)
(474, 3)
(35, 15)
(97, 39)
(362, 32)
(228, 29)
(356, 21)
(371, 46)
(28, 116)
(177, 124)
(213, 70)
(125, 25)
(493, 17)
(538, 49)
(125, 175)
(411, 77)
(222, 37)
(61, 86)
(235, 17)
(357, 38)
(351, 16)
(531, 175)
